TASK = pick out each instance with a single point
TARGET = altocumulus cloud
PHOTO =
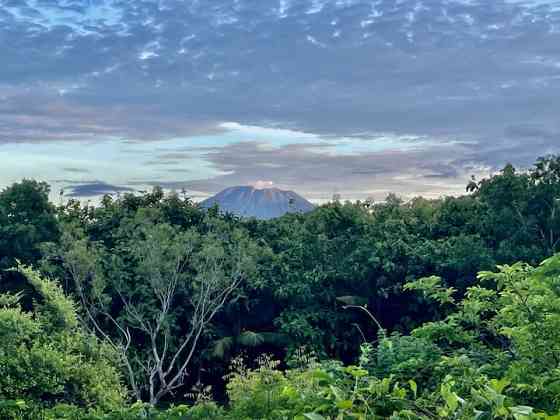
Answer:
(480, 80)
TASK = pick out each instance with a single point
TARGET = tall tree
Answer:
(155, 294)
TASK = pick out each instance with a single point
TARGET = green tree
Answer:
(545, 201)
(47, 359)
(154, 295)
(27, 220)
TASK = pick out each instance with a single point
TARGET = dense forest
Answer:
(148, 307)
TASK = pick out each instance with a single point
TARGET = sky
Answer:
(352, 97)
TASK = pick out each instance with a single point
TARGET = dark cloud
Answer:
(94, 189)
(42, 116)
(76, 170)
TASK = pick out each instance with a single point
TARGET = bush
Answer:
(47, 359)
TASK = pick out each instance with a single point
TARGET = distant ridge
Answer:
(266, 203)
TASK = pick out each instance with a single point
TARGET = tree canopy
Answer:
(421, 308)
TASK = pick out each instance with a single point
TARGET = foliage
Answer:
(27, 219)
(391, 287)
(153, 295)
(46, 359)
(502, 363)
(505, 367)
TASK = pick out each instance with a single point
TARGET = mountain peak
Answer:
(261, 203)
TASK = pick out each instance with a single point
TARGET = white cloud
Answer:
(314, 41)
(146, 55)
(261, 185)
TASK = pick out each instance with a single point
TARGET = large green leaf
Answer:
(250, 339)
(222, 346)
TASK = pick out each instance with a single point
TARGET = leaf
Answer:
(521, 412)
(336, 392)
(414, 387)
(431, 287)
(451, 398)
(222, 346)
(322, 375)
(21, 404)
(356, 372)
(250, 339)
(290, 392)
(314, 416)
(10, 299)
(345, 404)
(499, 385)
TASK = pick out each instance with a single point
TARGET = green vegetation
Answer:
(46, 356)
(148, 307)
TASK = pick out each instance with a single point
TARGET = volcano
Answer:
(260, 203)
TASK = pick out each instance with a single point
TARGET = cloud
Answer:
(76, 170)
(42, 116)
(527, 131)
(260, 184)
(95, 188)
(316, 172)
(481, 78)
(94, 56)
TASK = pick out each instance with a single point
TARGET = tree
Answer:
(545, 201)
(27, 220)
(155, 294)
(46, 358)
(507, 326)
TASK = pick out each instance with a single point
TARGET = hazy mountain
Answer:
(265, 203)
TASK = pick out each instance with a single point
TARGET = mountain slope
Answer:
(259, 203)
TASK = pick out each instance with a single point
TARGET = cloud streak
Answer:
(95, 189)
